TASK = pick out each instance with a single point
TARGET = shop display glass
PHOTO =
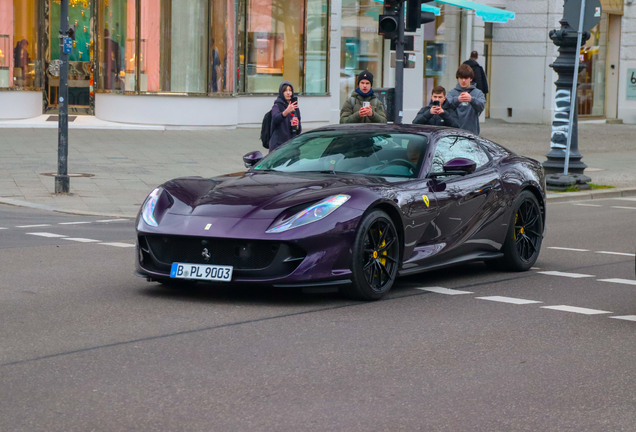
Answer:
(361, 46)
(591, 88)
(117, 47)
(441, 50)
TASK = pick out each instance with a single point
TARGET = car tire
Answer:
(376, 258)
(524, 236)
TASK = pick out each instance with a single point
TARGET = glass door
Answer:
(80, 66)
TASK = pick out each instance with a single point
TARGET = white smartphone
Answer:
(366, 104)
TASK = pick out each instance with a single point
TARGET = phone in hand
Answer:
(294, 99)
(435, 103)
(366, 104)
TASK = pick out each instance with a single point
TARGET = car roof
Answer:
(389, 127)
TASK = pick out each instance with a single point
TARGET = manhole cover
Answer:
(69, 174)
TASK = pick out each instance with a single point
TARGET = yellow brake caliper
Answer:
(515, 228)
(383, 260)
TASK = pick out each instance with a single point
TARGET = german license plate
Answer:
(203, 272)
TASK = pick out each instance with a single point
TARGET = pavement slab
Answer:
(127, 164)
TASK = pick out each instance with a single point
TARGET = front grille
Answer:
(241, 254)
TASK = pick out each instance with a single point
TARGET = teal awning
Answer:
(487, 13)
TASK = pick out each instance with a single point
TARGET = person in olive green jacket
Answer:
(355, 110)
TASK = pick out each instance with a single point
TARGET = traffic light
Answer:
(415, 17)
(388, 22)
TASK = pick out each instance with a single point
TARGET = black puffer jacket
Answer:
(281, 125)
(447, 118)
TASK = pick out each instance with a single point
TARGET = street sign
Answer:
(591, 17)
(68, 45)
(631, 84)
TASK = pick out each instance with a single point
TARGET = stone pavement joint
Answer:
(127, 164)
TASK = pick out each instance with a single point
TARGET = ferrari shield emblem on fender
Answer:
(426, 201)
(207, 227)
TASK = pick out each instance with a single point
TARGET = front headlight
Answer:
(311, 214)
(148, 209)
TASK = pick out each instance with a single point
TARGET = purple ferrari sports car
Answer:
(349, 205)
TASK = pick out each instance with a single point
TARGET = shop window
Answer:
(117, 45)
(361, 46)
(591, 87)
(442, 50)
(20, 60)
(222, 47)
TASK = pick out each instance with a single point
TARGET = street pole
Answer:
(62, 182)
(575, 78)
(399, 67)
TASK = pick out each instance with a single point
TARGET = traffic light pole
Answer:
(62, 182)
(399, 67)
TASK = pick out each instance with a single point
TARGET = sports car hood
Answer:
(259, 195)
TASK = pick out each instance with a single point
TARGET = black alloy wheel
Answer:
(376, 257)
(524, 235)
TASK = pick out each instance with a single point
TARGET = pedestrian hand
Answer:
(438, 112)
(363, 106)
(467, 100)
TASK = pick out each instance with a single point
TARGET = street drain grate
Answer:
(69, 174)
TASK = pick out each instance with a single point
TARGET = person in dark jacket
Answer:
(467, 100)
(285, 117)
(480, 80)
(363, 106)
(438, 112)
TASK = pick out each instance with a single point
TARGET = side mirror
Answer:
(460, 166)
(252, 158)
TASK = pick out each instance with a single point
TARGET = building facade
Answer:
(205, 63)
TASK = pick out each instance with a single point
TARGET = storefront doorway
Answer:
(80, 66)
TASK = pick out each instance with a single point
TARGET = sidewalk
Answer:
(124, 165)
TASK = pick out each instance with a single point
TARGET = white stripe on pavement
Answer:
(589, 205)
(627, 208)
(569, 249)
(569, 275)
(510, 300)
(45, 234)
(113, 220)
(616, 253)
(73, 223)
(81, 240)
(619, 281)
(33, 226)
(535, 268)
(122, 245)
(625, 317)
(440, 290)
(580, 310)
(1, 228)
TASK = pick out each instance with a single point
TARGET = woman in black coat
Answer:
(285, 117)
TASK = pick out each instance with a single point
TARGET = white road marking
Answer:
(569, 249)
(569, 275)
(619, 281)
(33, 226)
(625, 317)
(73, 223)
(535, 268)
(122, 245)
(81, 240)
(589, 205)
(113, 220)
(511, 300)
(1, 228)
(580, 310)
(616, 253)
(440, 290)
(45, 234)
(628, 208)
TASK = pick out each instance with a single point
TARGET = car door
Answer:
(466, 204)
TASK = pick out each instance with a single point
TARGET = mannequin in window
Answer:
(21, 61)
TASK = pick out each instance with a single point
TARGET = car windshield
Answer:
(371, 153)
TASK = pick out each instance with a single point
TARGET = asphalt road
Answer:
(85, 345)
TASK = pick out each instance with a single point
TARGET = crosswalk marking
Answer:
(113, 220)
(510, 300)
(627, 208)
(574, 309)
(619, 281)
(589, 205)
(616, 253)
(447, 291)
(569, 249)
(45, 234)
(122, 245)
(73, 223)
(33, 226)
(81, 240)
(1, 228)
(564, 274)
(625, 317)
